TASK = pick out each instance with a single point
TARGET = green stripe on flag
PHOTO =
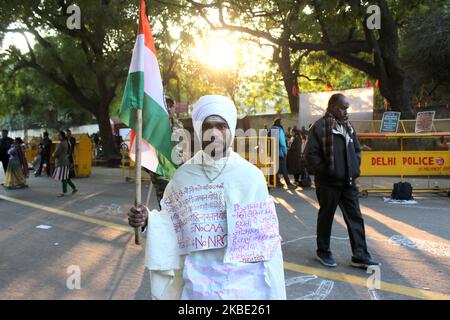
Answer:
(156, 128)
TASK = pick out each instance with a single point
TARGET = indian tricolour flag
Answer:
(144, 90)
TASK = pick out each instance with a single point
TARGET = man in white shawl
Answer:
(217, 235)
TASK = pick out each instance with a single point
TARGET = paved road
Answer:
(89, 231)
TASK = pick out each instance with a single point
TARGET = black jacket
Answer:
(5, 144)
(294, 156)
(347, 160)
(46, 147)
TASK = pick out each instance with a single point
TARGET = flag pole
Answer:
(137, 167)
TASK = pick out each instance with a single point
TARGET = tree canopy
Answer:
(67, 75)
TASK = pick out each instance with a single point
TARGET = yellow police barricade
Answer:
(128, 166)
(83, 155)
(32, 149)
(405, 157)
(258, 152)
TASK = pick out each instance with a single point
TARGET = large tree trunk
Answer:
(110, 153)
(283, 59)
(395, 85)
(398, 91)
(293, 100)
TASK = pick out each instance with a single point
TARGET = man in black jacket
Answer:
(45, 148)
(5, 143)
(333, 154)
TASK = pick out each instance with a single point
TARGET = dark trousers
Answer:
(283, 169)
(71, 167)
(329, 198)
(5, 163)
(44, 159)
(67, 182)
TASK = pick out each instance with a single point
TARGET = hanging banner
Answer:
(405, 163)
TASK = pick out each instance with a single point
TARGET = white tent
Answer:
(313, 105)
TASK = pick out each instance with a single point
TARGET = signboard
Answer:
(424, 121)
(199, 217)
(390, 121)
(253, 230)
(407, 163)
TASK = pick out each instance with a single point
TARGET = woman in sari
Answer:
(15, 174)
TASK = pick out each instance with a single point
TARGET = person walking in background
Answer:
(15, 177)
(294, 157)
(5, 143)
(277, 128)
(305, 179)
(292, 134)
(303, 131)
(333, 154)
(62, 164)
(45, 147)
(288, 136)
(96, 140)
(72, 143)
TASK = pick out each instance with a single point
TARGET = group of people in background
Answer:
(331, 152)
(15, 164)
(291, 155)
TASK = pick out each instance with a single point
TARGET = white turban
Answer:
(214, 105)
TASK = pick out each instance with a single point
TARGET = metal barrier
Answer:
(128, 166)
(261, 157)
(82, 156)
(414, 160)
(32, 149)
(405, 126)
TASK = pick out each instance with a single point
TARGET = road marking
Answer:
(68, 214)
(107, 209)
(302, 279)
(312, 237)
(435, 248)
(424, 208)
(360, 281)
(373, 294)
(321, 293)
(385, 286)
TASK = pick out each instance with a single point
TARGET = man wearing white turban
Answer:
(217, 234)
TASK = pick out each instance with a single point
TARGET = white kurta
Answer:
(204, 274)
